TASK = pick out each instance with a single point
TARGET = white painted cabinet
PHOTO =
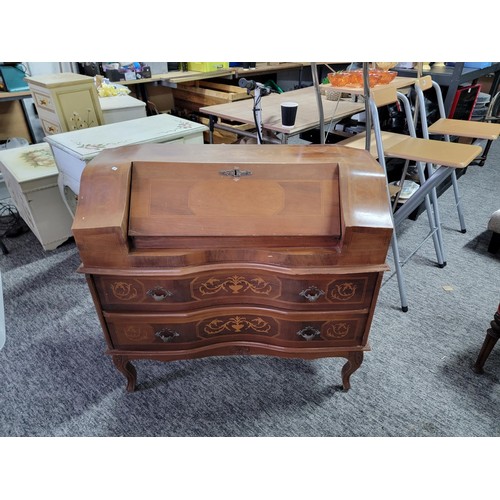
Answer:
(120, 108)
(65, 101)
(30, 174)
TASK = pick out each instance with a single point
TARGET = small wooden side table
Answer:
(492, 336)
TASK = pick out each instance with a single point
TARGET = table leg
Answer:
(212, 120)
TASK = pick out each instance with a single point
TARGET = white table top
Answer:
(86, 143)
(29, 162)
(120, 102)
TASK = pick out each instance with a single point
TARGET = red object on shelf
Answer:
(464, 102)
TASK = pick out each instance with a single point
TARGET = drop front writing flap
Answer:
(210, 199)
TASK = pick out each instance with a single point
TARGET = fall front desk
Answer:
(209, 250)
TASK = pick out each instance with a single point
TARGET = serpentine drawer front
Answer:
(340, 292)
(211, 250)
(182, 331)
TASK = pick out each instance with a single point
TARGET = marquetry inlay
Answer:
(136, 332)
(123, 290)
(337, 330)
(234, 285)
(237, 325)
(343, 291)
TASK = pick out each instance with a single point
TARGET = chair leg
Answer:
(482, 158)
(439, 227)
(457, 199)
(435, 229)
(399, 272)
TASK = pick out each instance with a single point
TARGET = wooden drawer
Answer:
(337, 292)
(43, 101)
(50, 121)
(50, 128)
(191, 329)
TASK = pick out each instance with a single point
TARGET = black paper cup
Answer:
(288, 113)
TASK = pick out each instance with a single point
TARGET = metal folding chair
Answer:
(450, 127)
(384, 144)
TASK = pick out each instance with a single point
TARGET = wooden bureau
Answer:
(209, 250)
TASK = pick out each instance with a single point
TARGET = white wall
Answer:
(46, 68)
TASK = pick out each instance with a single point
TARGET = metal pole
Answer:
(315, 78)
(366, 95)
(439, 176)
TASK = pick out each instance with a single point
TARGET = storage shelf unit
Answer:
(453, 76)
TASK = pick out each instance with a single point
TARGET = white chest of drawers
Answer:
(65, 101)
(120, 108)
(73, 150)
(30, 174)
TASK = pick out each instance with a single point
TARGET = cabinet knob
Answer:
(309, 333)
(159, 293)
(312, 293)
(166, 334)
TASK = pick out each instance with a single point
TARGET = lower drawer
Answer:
(175, 331)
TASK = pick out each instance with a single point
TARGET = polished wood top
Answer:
(353, 223)
(258, 199)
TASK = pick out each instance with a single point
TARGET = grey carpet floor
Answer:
(55, 379)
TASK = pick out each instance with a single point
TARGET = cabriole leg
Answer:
(127, 368)
(354, 360)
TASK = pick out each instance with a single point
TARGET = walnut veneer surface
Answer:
(209, 250)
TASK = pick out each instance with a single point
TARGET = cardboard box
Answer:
(207, 66)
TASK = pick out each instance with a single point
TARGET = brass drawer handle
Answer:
(159, 293)
(312, 293)
(166, 334)
(309, 333)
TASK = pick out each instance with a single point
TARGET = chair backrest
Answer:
(386, 95)
(422, 85)
(424, 82)
(383, 96)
